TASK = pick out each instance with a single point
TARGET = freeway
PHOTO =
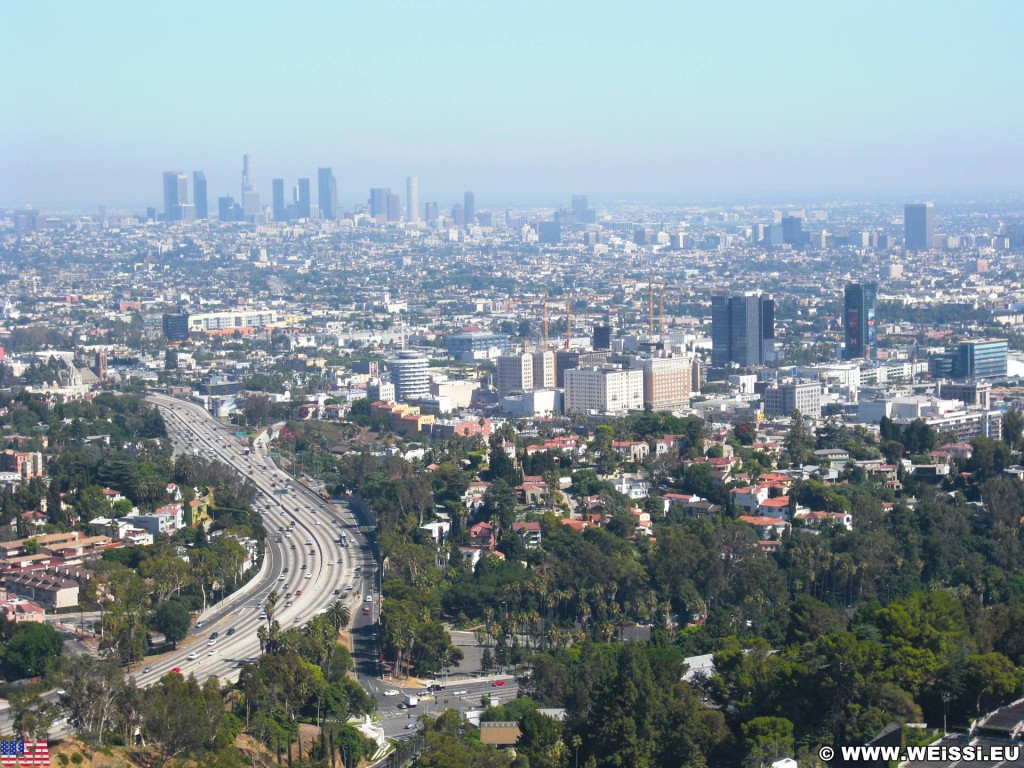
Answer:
(304, 560)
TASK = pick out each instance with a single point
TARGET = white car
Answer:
(392, 692)
(192, 656)
(309, 575)
(330, 562)
(369, 599)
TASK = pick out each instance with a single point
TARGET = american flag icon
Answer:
(24, 753)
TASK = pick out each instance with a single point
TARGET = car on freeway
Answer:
(146, 670)
(231, 631)
(366, 611)
(303, 567)
(281, 577)
(212, 653)
(369, 599)
(192, 656)
(497, 683)
(462, 692)
(297, 620)
(330, 562)
(298, 592)
(309, 575)
(214, 635)
(337, 592)
(200, 624)
(287, 603)
(350, 587)
(176, 670)
(412, 726)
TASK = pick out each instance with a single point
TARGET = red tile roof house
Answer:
(776, 507)
(750, 497)
(481, 536)
(530, 531)
(765, 526)
(533, 490)
(631, 450)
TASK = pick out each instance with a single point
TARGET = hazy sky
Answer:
(514, 100)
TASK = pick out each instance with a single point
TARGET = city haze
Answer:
(517, 101)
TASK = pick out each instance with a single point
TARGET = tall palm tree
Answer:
(338, 615)
(268, 607)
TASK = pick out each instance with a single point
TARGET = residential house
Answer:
(47, 590)
(766, 526)
(481, 536)
(530, 533)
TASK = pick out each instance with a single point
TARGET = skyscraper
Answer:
(328, 190)
(175, 194)
(919, 226)
(579, 207)
(742, 329)
(199, 193)
(859, 302)
(430, 213)
(279, 208)
(469, 209)
(226, 208)
(379, 201)
(412, 199)
(248, 175)
(410, 375)
(303, 205)
(250, 197)
(394, 207)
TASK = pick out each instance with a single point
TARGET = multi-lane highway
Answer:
(304, 562)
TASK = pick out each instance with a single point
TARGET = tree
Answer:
(745, 433)
(767, 739)
(799, 442)
(31, 650)
(989, 457)
(176, 721)
(994, 675)
(1013, 427)
(499, 464)
(172, 618)
(32, 717)
(500, 503)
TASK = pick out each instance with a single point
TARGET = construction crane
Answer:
(545, 323)
(568, 323)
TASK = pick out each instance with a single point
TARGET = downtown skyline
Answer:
(791, 99)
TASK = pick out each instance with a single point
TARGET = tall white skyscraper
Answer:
(412, 199)
(248, 175)
(250, 197)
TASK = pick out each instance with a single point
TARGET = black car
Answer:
(214, 635)
(231, 631)
(285, 569)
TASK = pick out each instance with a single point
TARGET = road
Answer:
(302, 530)
(302, 554)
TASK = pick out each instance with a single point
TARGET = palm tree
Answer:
(261, 635)
(338, 615)
(268, 607)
